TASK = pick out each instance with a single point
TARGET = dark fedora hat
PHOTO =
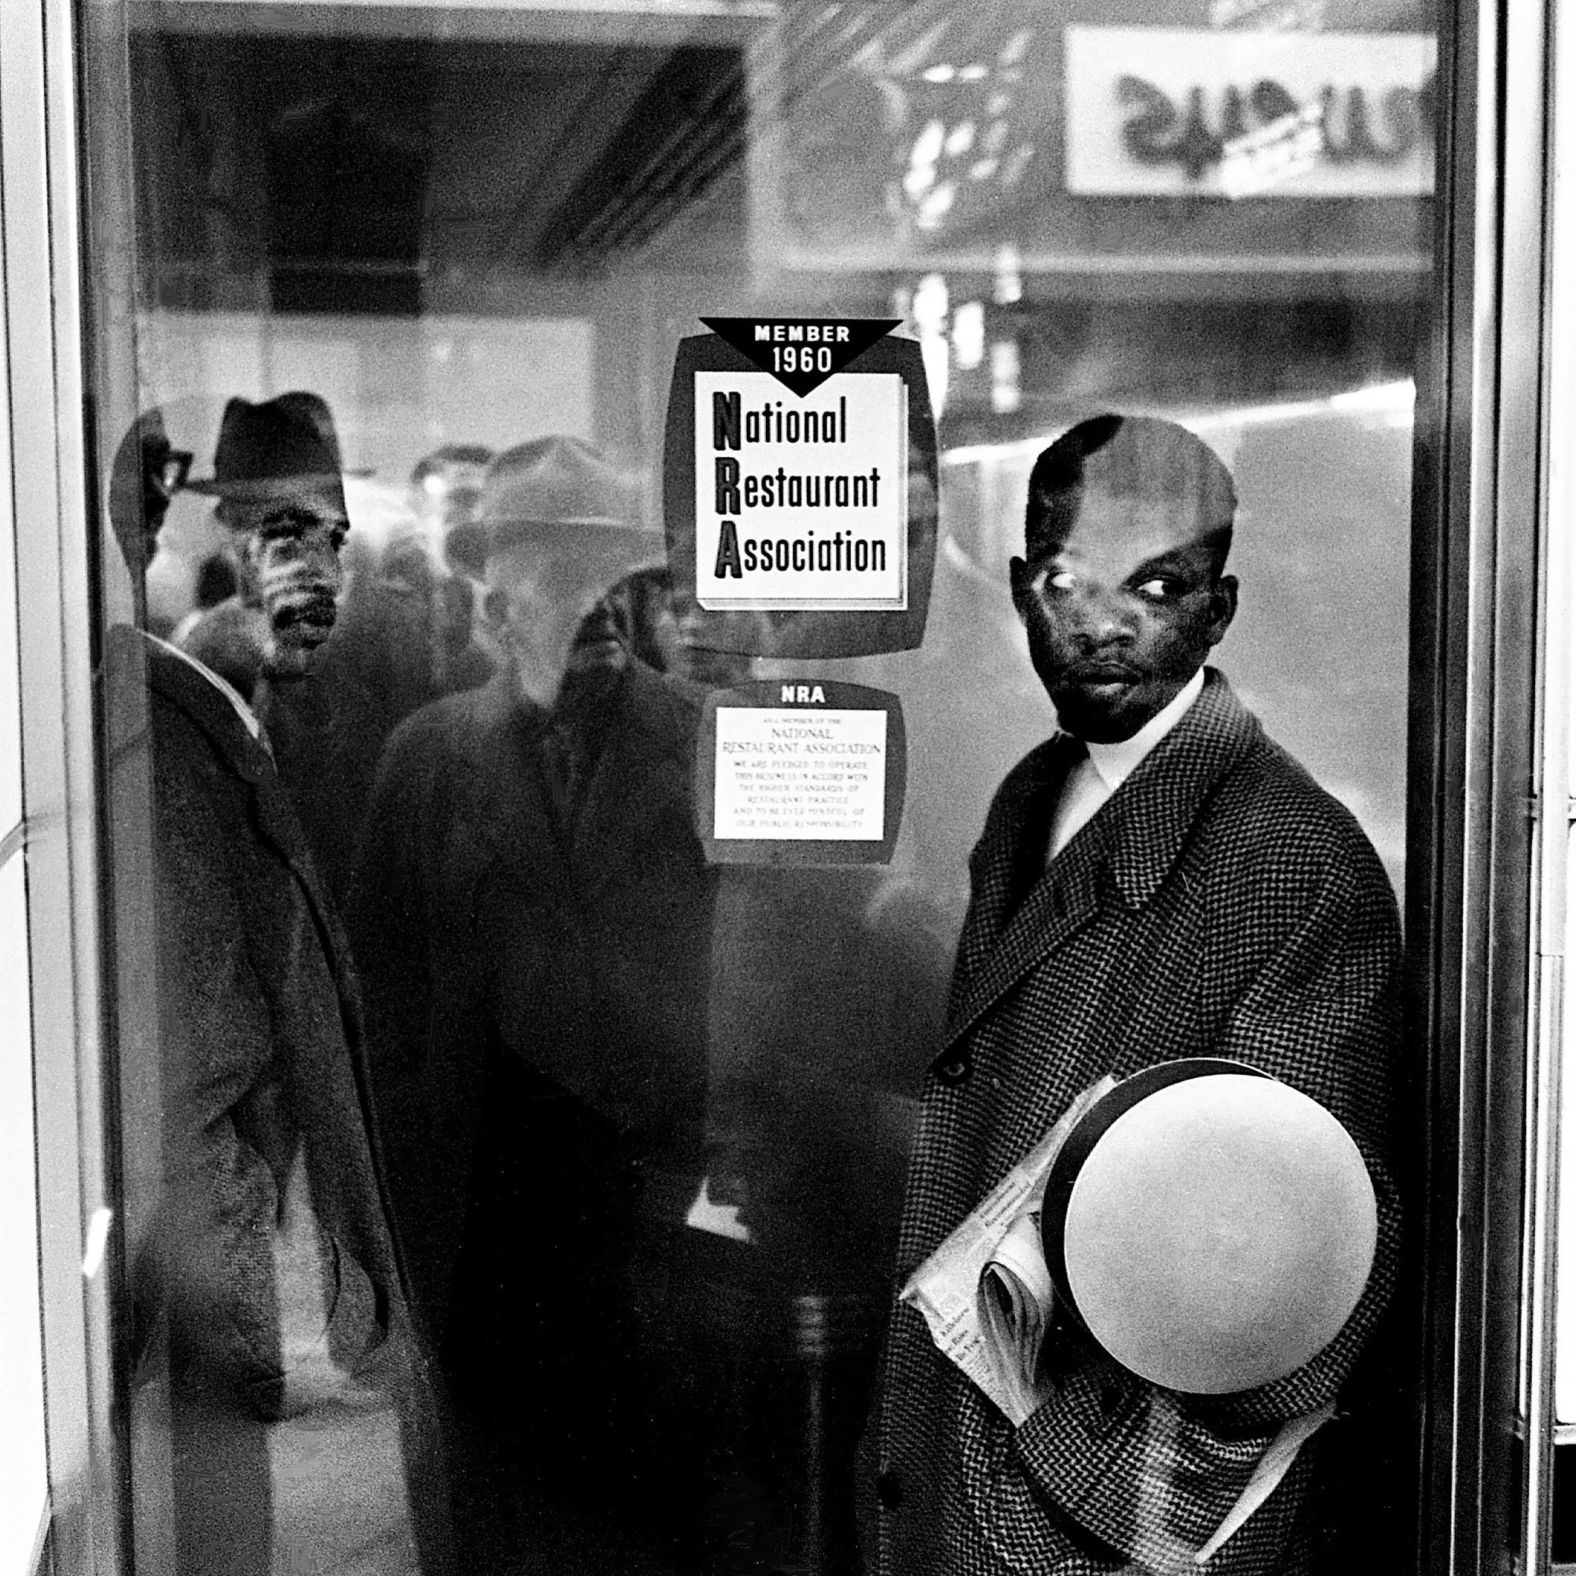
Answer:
(1211, 1227)
(554, 484)
(288, 438)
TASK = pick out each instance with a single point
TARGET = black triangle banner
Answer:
(802, 352)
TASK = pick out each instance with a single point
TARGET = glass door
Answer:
(539, 885)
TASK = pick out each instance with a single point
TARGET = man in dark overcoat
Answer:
(533, 924)
(264, 1272)
(1159, 880)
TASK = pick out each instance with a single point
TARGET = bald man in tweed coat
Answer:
(1158, 880)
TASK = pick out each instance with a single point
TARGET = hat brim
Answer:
(469, 544)
(1218, 1231)
(266, 487)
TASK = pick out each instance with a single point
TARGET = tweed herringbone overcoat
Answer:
(1219, 904)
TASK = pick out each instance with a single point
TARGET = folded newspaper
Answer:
(986, 1293)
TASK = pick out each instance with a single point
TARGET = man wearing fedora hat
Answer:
(1157, 881)
(269, 1297)
(533, 919)
(277, 476)
(277, 482)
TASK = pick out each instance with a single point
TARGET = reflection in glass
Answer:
(635, 1126)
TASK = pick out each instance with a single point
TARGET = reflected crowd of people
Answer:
(594, 1142)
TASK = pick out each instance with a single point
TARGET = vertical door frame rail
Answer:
(1551, 1154)
(1483, 995)
(40, 190)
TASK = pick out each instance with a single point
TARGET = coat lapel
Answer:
(648, 749)
(1136, 837)
(504, 811)
(1002, 935)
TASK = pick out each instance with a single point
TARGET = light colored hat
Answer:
(1212, 1227)
(553, 483)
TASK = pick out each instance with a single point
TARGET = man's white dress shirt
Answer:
(1108, 766)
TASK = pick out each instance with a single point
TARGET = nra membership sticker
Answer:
(800, 479)
(801, 503)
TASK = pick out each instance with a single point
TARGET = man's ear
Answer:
(1223, 607)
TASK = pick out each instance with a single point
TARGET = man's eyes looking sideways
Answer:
(1156, 588)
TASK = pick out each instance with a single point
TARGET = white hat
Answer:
(1212, 1227)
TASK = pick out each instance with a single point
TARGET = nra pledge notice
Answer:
(800, 775)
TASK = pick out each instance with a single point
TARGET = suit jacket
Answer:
(553, 918)
(1219, 904)
(261, 1054)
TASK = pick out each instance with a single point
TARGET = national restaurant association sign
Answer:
(799, 486)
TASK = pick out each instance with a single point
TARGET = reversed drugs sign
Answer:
(800, 487)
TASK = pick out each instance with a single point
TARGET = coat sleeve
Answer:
(1146, 1471)
(209, 1257)
(423, 1110)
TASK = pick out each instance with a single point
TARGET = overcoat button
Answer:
(889, 1490)
(953, 1070)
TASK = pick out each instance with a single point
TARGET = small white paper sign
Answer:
(801, 501)
(800, 775)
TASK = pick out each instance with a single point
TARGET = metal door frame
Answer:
(1485, 986)
(1473, 906)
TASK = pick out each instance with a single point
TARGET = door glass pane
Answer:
(533, 969)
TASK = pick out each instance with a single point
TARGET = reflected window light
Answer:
(928, 144)
(936, 205)
(1006, 395)
(1017, 163)
(1009, 276)
(1399, 395)
(930, 304)
(1016, 47)
(97, 1241)
(930, 318)
(1268, 16)
(938, 368)
(1392, 403)
(960, 139)
(1269, 155)
(921, 172)
(968, 334)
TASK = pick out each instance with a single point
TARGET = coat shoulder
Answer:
(1271, 818)
(443, 731)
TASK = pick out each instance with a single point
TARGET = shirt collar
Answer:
(1117, 762)
(248, 717)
